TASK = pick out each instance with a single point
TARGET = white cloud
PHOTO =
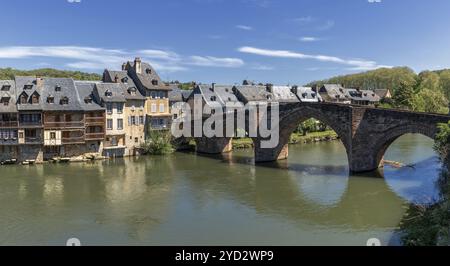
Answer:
(215, 61)
(309, 39)
(99, 58)
(354, 64)
(374, 1)
(74, 1)
(244, 27)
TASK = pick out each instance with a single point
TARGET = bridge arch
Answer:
(385, 141)
(289, 121)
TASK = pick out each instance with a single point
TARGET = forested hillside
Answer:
(9, 73)
(428, 91)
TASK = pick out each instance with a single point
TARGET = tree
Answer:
(445, 82)
(430, 101)
(429, 80)
(404, 96)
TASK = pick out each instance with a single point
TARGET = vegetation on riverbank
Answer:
(429, 225)
(296, 138)
(158, 143)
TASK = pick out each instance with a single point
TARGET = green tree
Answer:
(445, 82)
(429, 80)
(404, 96)
(430, 101)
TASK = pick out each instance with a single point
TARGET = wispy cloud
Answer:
(354, 64)
(244, 27)
(99, 58)
(327, 25)
(374, 1)
(74, 1)
(309, 39)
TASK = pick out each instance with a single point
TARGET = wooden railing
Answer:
(64, 124)
(95, 120)
(36, 140)
(72, 140)
(30, 124)
(95, 136)
(9, 124)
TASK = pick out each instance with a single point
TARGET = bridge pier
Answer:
(270, 155)
(214, 145)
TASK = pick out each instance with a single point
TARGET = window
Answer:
(35, 99)
(109, 108)
(154, 82)
(50, 99)
(141, 120)
(153, 94)
(108, 93)
(21, 135)
(133, 120)
(162, 94)
(161, 108)
(52, 135)
(5, 101)
(23, 99)
(27, 87)
(6, 87)
(120, 108)
(213, 98)
(125, 80)
(136, 140)
(57, 88)
(64, 100)
(148, 71)
(120, 124)
(153, 107)
(88, 100)
(109, 124)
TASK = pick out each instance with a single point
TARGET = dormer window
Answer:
(213, 98)
(6, 87)
(28, 87)
(148, 71)
(64, 100)
(50, 99)
(154, 82)
(23, 99)
(313, 95)
(5, 101)
(132, 91)
(88, 100)
(108, 93)
(269, 97)
(35, 98)
(125, 80)
(304, 94)
(57, 88)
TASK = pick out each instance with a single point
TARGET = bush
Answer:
(158, 143)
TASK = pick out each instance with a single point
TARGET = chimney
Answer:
(213, 86)
(124, 66)
(138, 65)
(116, 79)
(294, 89)
(269, 88)
(39, 81)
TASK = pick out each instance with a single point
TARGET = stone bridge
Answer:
(365, 132)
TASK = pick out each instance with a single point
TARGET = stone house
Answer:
(333, 93)
(362, 97)
(283, 94)
(111, 97)
(306, 94)
(8, 121)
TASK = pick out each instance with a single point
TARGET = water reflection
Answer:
(186, 199)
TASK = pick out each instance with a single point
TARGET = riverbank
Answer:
(296, 138)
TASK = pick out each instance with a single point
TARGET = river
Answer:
(187, 199)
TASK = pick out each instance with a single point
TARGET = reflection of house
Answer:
(306, 94)
(8, 121)
(111, 97)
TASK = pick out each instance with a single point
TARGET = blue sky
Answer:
(226, 41)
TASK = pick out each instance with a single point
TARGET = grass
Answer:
(296, 138)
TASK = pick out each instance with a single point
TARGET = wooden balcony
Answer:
(95, 121)
(67, 124)
(9, 124)
(11, 141)
(95, 136)
(73, 140)
(32, 141)
(29, 124)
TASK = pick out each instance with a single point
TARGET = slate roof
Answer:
(283, 94)
(109, 76)
(10, 94)
(382, 93)
(361, 95)
(186, 94)
(216, 94)
(147, 76)
(332, 92)
(252, 93)
(306, 94)
(175, 95)
(60, 89)
(116, 89)
(85, 91)
(21, 82)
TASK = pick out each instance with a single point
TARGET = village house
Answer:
(306, 94)
(111, 97)
(253, 93)
(362, 97)
(283, 94)
(94, 117)
(334, 93)
(383, 93)
(31, 128)
(8, 121)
